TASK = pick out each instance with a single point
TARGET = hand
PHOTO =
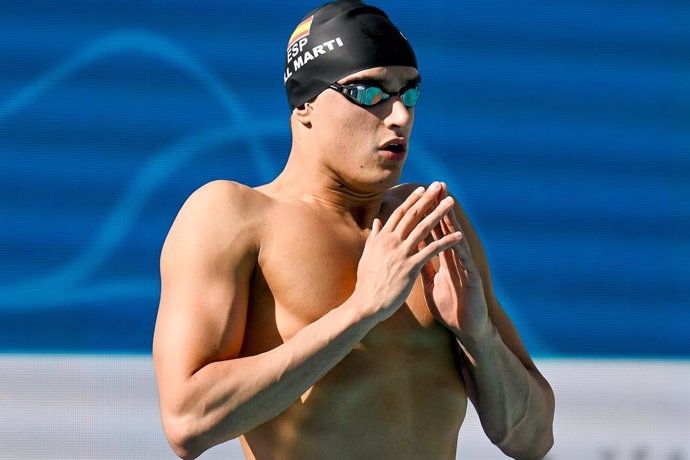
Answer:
(455, 293)
(392, 257)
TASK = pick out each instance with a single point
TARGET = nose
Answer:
(399, 115)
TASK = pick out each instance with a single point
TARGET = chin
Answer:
(384, 181)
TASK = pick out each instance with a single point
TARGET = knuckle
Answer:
(399, 212)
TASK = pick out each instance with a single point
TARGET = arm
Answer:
(514, 401)
(208, 393)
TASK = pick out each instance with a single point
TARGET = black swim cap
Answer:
(339, 39)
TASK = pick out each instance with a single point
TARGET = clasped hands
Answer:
(454, 292)
(397, 251)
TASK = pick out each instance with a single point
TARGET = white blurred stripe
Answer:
(105, 407)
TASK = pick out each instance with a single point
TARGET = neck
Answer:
(313, 183)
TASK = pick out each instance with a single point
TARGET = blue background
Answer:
(562, 127)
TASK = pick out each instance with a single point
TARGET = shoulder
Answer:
(396, 195)
(218, 214)
(403, 190)
(225, 203)
(222, 196)
(400, 192)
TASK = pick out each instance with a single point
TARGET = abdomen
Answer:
(398, 394)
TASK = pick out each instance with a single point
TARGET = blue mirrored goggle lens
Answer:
(372, 95)
(410, 97)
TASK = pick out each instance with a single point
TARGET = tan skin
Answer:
(334, 314)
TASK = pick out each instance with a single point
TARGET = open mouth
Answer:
(397, 148)
(394, 151)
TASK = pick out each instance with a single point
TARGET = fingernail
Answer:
(418, 190)
(434, 186)
(447, 199)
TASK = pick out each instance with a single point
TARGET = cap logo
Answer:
(301, 31)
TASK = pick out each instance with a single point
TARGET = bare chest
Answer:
(310, 267)
(403, 369)
(307, 266)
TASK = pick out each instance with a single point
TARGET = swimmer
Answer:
(335, 313)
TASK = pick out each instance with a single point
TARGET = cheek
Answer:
(349, 130)
(361, 126)
(344, 128)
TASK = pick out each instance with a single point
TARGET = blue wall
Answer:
(563, 127)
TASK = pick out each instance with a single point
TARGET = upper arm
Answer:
(206, 265)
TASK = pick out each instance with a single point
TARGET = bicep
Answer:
(206, 264)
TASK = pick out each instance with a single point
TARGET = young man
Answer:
(333, 314)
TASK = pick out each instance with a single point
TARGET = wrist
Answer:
(365, 306)
(479, 332)
(478, 336)
(473, 345)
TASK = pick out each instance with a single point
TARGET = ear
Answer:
(303, 114)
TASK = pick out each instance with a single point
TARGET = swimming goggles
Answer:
(368, 95)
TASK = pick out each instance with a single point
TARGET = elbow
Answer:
(182, 437)
(190, 437)
(534, 448)
(527, 442)
(532, 437)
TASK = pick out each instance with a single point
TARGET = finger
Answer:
(448, 258)
(463, 258)
(451, 221)
(455, 226)
(469, 275)
(441, 195)
(427, 224)
(437, 232)
(400, 211)
(434, 248)
(418, 210)
(462, 255)
(446, 229)
(461, 252)
(444, 190)
(375, 227)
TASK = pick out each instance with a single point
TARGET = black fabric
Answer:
(345, 37)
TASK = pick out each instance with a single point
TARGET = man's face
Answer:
(365, 145)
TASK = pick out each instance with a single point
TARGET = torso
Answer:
(397, 395)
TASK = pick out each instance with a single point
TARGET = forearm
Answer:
(225, 399)
(515, 404)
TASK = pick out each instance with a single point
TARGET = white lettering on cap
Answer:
(312, 54)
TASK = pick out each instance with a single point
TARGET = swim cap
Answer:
(339, 39)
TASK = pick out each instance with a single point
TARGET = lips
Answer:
(394, 149)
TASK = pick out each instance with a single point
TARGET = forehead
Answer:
(392, 75)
